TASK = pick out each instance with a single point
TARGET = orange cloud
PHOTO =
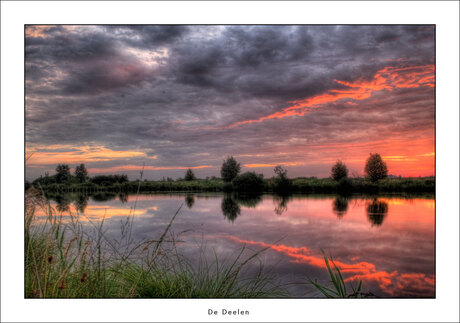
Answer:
(270, 165)
(138, 167)
(40, 30)
(51, 155)
(388, 78)
(37, 30)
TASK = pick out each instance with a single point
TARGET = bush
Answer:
(376, 168)
(339, 171)
(107, 180)
(345, 186)
(227, 187)
(249, 182)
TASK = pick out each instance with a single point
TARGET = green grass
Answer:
(62, 261)
(338, 288)
(362, 185)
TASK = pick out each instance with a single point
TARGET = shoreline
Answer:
(298, 186)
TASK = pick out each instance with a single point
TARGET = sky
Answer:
(159, 98)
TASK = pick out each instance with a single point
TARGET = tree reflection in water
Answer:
(377, 211)
(281, 203)
(230, 208)
(189, 200)
(81, 202)
(248, 200)
(103, 197)
(123, 197)
(340, 206)
(62, 202)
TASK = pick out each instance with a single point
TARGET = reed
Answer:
(338, 288)
(62, 260)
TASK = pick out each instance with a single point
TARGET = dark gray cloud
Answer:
(173, 90)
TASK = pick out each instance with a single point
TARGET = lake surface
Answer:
(387, 242)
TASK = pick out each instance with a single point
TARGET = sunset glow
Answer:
(56, 154)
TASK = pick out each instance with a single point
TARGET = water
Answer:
(387, 242)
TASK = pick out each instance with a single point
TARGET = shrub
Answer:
(339, 171)
(376, 168)
(345, 186)
(249, 182)
(227, 187)
(109, 179)
(230, 169)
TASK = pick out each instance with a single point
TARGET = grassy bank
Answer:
(298, 185)
(61, 261)
(362, 185)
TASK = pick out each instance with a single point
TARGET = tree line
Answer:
(375, 169)
(80, 175)
(232, 180)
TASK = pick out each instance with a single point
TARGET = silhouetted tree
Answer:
(189, 200)
(339, 171)
(282, 183)
(189, 176)
(377, 211)
(280, 171)
(81, 173)
(230, 208)
(230, 169)
(376, 168)
(62, 173)
(340, 206)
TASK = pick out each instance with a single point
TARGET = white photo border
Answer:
(14, 15)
